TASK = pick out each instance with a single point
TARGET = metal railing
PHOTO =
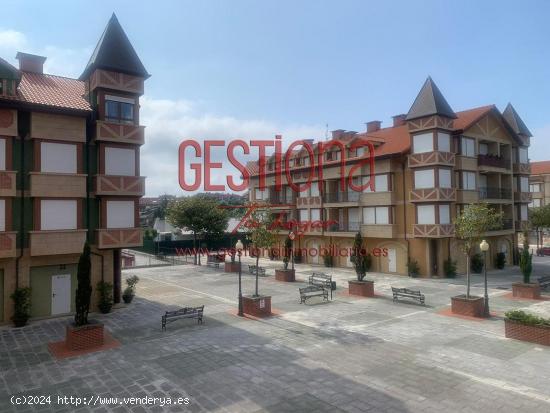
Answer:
(494, 193)
(351, 196)
(493, 160)
(344, 227)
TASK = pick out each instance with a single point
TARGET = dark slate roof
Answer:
(430, 101)
(115, 52)
(515, 121)
(8, 71)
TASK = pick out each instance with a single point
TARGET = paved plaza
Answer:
(349, 355)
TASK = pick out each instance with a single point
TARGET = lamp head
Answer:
(484, 246)
(239, 245)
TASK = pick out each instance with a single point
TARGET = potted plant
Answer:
(105, 291)
(328, 260)
(413, 268)
(526, 289)
(22, 306)
(470, 225)
(286, 274)
(361, 262)
(477, 263)
(449, 266)
(130, 290)
(520, 325)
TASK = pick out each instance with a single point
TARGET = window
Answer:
(314, 189)
(523, 184)
(2, 214)
(469, 180)
(2, 154)
(303, 215)
(58, 214)
(376, 215)
(523, 157)
(58, 158)
(535, 203)
(534, 188)
(424, 178)
(423, 143)
(483, 149)
(468, 147)
(120, 161)
(426, 214)
(261, 194)
(120, 214)
(381, 183)
(523, 212)
(444, 214)
(315, 214)
(118, 109)
(443, 142)
(445, 178)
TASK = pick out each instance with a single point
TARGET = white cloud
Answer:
(169, 122)
(11, 40)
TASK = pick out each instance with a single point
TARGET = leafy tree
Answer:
(359, 257)
(84, 288)
(162, 207)
(526, 260)
(470, 226)
(539, 218)
(261, 235)
(201, 216)
(287, 251)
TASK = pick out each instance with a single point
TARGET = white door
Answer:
(392, 260)
(314, 253)
(61, 294)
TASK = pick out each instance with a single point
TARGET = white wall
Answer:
(2, 154)
(58, 157)
(120, 161)
(120, 214)
(2, 215)
(58, 214)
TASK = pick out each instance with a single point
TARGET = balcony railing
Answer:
(119, 237)
(493, 160)
(120, 185)
(351, 226)
(351, 196)
(282, 199)
(494, 193)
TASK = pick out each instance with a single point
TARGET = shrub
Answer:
(500, 260)
(328, 260)
(360, 259)
(84, 287)
(22, 306)
(476, 264)
(287, 251)
(526, 262)
(131, 283)
(105, 291)
(526, 318)
(413, 268)
(449, 266)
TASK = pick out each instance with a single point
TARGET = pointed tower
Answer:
(516, 123)
(114, 79)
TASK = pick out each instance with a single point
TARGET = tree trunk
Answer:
(257, 270)
(195, 247)
(468, 276)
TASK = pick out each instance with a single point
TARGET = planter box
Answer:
(285, 275)
(231, 267)
(472, 307)
(361, 288)
(257, 306)
(84, 337)
(522, 290)
(532, 334)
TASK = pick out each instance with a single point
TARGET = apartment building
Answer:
(539, 184)
(69, 172)
(429, 164)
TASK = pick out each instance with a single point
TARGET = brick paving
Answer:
(348, 355)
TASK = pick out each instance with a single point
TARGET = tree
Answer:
(84, 287)
(470, 226)
(526, 260)
(201, 216)
(360, 259)
(261, 235)
(539, 218)
(287, 252)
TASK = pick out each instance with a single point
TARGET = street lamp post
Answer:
(292, 236)
(484, 246)
(239, 248)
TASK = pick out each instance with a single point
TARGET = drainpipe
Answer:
(22, 211)
(405, 210)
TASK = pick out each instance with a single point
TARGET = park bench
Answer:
(312, 291)
(407, 293)
(213, 261)
(544, 282)
(187, 312)
(322, 280)
(252, 269)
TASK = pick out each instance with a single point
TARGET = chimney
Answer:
(337, 134)
(348, 136)
(399, 120)
(30, 62)
(373, 125)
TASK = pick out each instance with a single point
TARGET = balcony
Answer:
(344, 227)
(57, 242)
(120, 185)
(119, 237)
(336, 197)
(494, 161)
(464, 196)
(8, 244)
(494, 193)
(433, 194)
(433, 230)
(431, 158)
(379, 231)
(114, 132)
(504, 227)
(523, 197)
(522, 168)
(51, 185)
(308, 201)
(377, 198)
(7, 183)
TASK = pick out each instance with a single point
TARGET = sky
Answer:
(254, 69)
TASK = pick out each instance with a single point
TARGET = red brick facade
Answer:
(532, 334)
(257, 306)
(362, 288)
(85, 337)
(472, 307)
(521, 290)
(285, 275)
